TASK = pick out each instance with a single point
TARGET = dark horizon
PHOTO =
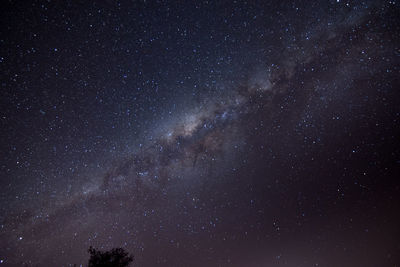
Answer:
(233, 133)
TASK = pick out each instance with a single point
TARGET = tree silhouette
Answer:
(117, 257)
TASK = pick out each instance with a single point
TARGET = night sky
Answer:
(225, 133)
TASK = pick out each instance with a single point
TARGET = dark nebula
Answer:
(225, 133)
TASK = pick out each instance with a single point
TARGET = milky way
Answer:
(229, 134)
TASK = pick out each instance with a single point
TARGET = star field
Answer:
(200, 133)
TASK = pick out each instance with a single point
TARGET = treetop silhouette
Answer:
(117, 257)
